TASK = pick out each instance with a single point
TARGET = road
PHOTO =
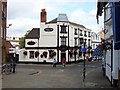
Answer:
(46, 76)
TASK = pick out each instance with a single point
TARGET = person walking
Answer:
(64, 62)
(14, 66)
(54, 63)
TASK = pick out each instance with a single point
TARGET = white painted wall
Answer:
(95, 40)
(108, 64)
(26, 58)
(48, 39)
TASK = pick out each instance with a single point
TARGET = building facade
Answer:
(96, 40)
(57, 39)
(112, 40)
(15, 42)
(3, 18)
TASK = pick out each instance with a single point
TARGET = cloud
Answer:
(88, 19)
(25, 14)
(21, 25)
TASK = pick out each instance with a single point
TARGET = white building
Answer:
(96, 40)
(57, 39)
(15, 43)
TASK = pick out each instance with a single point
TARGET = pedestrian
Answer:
(64, 62)
(14, 66)
(54, 62)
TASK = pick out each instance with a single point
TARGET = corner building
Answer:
(58, 38)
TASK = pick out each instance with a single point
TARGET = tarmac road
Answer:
(46, 76)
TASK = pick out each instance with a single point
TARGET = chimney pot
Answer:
(43, 15)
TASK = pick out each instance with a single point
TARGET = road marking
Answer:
(61, 70)
(35, 73)
(88, 72)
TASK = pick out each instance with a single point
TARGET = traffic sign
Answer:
(83, 50)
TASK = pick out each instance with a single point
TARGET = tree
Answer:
(22, 42)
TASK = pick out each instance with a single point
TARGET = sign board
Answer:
(83, 50)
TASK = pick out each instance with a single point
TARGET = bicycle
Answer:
(6, 68)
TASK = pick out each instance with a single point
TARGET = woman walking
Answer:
(64, 62)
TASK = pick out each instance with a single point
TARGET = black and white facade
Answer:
(57, 39)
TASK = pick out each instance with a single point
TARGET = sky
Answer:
(25, 14)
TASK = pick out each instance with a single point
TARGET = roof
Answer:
(62, 18)
(34, 33)
(100, 6)
(55, 21)
(52, 21)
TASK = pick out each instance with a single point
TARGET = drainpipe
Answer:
(111, 60)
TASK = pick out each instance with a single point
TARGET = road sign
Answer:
(83, 50)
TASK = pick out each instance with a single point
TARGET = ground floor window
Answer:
(31, 55)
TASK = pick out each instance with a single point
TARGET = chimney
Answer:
(43, 15)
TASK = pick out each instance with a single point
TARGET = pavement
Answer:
(58, 77)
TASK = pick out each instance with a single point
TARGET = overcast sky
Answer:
(25, 14)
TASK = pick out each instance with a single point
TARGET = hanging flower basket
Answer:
(88, 52)
(25, 52)
(75, 52)
(91, 52)
(36, 54)
(80, 53)
(45, 54)
(41, 56)
(54, 53)
(106, 45)
(71, 53)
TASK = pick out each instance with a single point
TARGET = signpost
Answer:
(84, 51)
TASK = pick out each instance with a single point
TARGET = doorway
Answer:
(63, 55)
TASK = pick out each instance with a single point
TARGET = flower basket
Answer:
(25, 52)
(45, 54)
(75, 52)
(80, 53)
(71, 53)
(88, 52)
(36, 54)
(41, 56)
(54, 53)
(106, 45)
(91, 52)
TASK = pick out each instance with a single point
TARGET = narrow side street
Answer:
(46, 76)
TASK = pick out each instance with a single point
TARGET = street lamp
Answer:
(9, 25)
(4, 44)
(84, 62)
(84, 52)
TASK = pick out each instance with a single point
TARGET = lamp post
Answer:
(84, 52)
(4, 44)
(84, 62)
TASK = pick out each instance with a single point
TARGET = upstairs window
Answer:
(75, 31)
(63, 40)
(63, 29)
(75, 41)
(85, 34)
(81, 33)
(89, 34)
